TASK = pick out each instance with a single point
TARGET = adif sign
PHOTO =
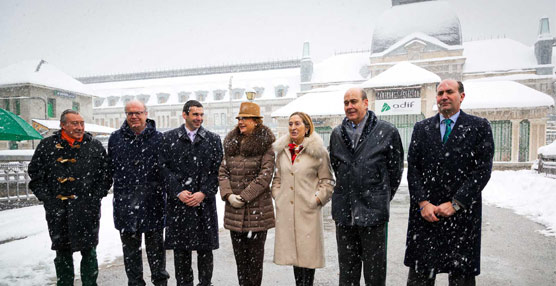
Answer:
(398, 106)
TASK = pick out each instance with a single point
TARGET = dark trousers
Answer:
(422, 279)
(133, 257)
(365, 245)
(303, 276)
(184, 271)
(249, 254)
(64, 267)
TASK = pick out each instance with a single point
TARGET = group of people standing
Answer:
(165, 188)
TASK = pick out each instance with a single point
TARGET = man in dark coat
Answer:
(139, 198)
(449, 164)
(367, 157)
(69, 175)
(191, 157)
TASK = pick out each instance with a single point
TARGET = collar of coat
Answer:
(149, 129)
(254, 145)
(86, 137)
(182, 134)
(369, 125)
(312, 145)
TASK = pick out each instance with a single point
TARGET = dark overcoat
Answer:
(367, 176)
(191, 166)
(439, 173)
(139, 197)
(82, 170)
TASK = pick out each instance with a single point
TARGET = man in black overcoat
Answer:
(191, 157)
(449, 164)
(367, 157)
(139, 197)
(70, 175)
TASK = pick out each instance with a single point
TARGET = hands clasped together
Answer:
(191, 199)
(431, 212)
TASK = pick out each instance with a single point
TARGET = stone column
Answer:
(515, 140)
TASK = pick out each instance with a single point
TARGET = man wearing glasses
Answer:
(69, 175)
(139, 198)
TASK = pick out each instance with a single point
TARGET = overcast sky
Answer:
(86, 37)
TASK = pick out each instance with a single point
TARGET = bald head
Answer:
(356, 104)
(136, 116)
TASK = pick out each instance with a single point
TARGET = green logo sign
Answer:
(385, 107)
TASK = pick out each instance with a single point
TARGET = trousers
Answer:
(303, 276)
(133, 258)
(184, 271)
(63, 263)
(249, 255)
(420, 279)
(362, 245)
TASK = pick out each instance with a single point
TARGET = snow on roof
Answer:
(497, 55)
(89, 127)
(434, 18)
(317, 102)
(268, 80)
(345, 67)
(415, 37)
(515, 77)
(502, 94)
(402, 74)
(25, 72)
(549, 149)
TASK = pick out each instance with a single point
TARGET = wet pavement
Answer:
(513, 253)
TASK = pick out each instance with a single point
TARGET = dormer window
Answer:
(143, 98)
(127, 98)
(113, 100)
(219, 94)
(238, 93)
(162, 97)
(259, 90)
(183, 96)
(281, 90)
(99, 101)
(201, 95)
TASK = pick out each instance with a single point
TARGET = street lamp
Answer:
(250, 94)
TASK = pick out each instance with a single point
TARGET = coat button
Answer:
(291, 173)
(291, 188)
(291, 202)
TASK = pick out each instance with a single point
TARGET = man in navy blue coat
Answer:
(191, 158)
(139, 198)
(449, 164)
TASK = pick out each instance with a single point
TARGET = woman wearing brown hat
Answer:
(244, 177)
(302, 185)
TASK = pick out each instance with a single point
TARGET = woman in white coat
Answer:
(302, 185)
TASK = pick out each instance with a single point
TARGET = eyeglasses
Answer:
(138, 113)
(243, 118)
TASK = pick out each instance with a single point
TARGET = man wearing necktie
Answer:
(191, 156)
(449, 164)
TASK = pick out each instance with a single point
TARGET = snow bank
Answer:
(497, 55)
(527, 193)
(47, 75)
(346, 67)
(549, 149)
(402, 74)
(502, 94)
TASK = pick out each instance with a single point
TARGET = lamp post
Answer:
(229, 115)
(250, 94)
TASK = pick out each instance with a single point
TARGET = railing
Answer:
(547, 164)
(12, 176)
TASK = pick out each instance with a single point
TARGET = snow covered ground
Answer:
(26, 258)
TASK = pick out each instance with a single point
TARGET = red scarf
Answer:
(70, 140)
(294, 150)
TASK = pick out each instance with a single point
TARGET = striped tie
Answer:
(448, 123)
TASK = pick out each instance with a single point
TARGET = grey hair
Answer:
(66, 112)
(135, 101)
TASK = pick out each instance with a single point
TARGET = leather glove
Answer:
(236, 201)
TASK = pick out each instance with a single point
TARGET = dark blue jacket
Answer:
(191, 166)
(368, 176)
(139, 199)
(439, 173)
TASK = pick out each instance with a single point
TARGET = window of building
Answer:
(51, 107)
(216, 119)
(281, 90)
(238, 93)
(259, 90)
(223, 118)
(17, 107)
(162, 97)
(183, 96)
(113, 100)
(143, 98)
(99, 101)
(75, 106)
(219, 94)
(201, 95)
(6, 104)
